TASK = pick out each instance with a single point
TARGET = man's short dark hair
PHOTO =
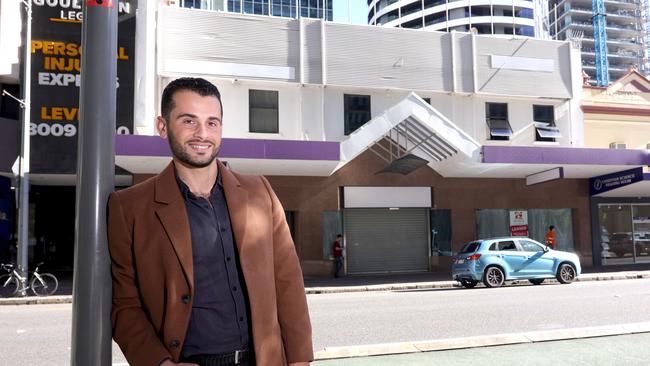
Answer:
(551, 227)
(200, 86)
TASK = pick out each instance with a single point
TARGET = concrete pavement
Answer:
(432, 280)
(626, 349)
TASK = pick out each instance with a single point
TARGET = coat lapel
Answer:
(237, 200)
(173, 215)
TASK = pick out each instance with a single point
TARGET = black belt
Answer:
(224, 359)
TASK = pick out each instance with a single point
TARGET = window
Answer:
(526, 30)
(496, 116)
(507, 245)
(470, 247)
(263, 111)
(524, 13)
(545, 129)
(530, 246)
(192, 4)
(357, 111)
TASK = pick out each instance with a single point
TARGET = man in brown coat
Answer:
(204, 267)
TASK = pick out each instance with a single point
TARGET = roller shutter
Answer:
(383, 240)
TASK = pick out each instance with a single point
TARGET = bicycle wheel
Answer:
(44, 284)
(8, 286)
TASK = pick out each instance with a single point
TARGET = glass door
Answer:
(615, 221)
(641, 230)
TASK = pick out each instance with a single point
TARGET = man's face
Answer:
(193, 128)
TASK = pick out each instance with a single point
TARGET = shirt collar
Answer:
(185, 190)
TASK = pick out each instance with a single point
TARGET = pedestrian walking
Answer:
(337, 253)
(204, 267)
(550, 237)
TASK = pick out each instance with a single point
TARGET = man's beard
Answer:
(183, 156)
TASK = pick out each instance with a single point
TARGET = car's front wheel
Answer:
(493, 277)
(566, 273)
(468, 283)
(536, 281)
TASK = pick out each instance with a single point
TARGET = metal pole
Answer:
(23, 201)
(91, 305)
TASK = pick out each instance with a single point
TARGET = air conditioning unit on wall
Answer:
(617, 145)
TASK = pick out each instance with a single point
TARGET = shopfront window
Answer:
(624, 233)
(491, 223)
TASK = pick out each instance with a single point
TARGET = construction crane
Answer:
(600, 42)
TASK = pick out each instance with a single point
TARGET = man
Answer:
(337, 253)
(204, 267)
(550, 237)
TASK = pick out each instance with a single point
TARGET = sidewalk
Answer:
(431, 280)
(596, 350)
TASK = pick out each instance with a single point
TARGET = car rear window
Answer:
(471, 247)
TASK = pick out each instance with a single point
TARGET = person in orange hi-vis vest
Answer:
(550, 237)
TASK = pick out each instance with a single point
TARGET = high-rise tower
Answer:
(506, 17)
(623, 33)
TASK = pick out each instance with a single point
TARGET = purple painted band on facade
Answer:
(141, 145)
(563, 155)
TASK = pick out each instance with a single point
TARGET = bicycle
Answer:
(41, 284)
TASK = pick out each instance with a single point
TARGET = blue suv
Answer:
(494, 261)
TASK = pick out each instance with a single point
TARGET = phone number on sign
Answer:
(65, 130)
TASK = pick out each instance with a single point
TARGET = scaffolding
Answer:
(600, 42)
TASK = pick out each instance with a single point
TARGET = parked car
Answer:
(494, 261)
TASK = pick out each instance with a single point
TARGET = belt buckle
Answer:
(237, 356)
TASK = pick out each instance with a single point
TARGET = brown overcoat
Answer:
(151, 251)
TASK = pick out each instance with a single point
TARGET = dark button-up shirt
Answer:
(219, 320)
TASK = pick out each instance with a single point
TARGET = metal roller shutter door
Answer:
(383, 240)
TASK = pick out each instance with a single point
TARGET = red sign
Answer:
(519, 230)
(100, 3)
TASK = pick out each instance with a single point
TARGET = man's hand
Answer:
(299, 364)
(172, 363)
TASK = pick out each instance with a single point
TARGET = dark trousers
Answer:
(338, 264)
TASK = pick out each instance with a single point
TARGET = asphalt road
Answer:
(418, 315)
(40, 334)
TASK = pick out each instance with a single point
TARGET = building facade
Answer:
(408, 151)
(624, 32)
(618, 117)
(317, 9)
(507, 17)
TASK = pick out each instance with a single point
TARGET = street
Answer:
(40, 334)
(386, 317)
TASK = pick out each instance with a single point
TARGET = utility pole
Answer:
(91, 300)
(23, 172)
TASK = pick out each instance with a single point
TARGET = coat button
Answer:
(185, 299)
(174, 343)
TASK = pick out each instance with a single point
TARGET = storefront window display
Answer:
(492, 223)
(624, 233)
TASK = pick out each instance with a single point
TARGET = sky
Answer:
(358, 11)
